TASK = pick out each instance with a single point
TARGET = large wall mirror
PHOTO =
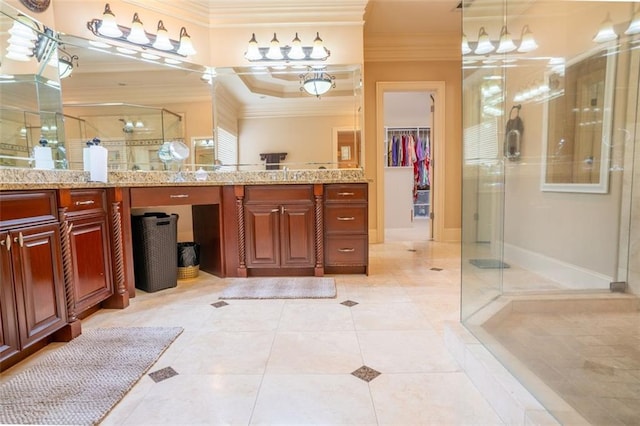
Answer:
(135, 101)
(577, 125)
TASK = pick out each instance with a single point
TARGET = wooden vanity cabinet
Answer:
(32, 306)
(279, 224)
(346, 244)
(89, 240)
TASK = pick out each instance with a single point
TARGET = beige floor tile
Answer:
(313, 399)
(405, 351)
(319, 352)
(197, 400)
(430, 399)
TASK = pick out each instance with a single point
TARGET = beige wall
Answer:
(304, 139)
(450, 73)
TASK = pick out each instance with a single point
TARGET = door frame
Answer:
(438, 149)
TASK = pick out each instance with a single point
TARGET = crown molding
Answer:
(412, 47)
(231, 13)
(324, 107)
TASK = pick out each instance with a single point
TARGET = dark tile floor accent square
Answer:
(163, 374)
(436, 269)
(219, 304)
(366, 373)
(349, 303)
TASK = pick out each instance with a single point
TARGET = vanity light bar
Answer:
(136, 35)
(295, 52)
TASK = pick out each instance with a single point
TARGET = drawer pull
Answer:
(19, 239)
(84, 203)
(179, 196)
(346, 194)
(346, 250)
(7, 241)
(346, 218)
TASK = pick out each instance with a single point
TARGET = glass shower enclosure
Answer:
(550, 230)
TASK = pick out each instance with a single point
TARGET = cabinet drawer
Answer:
(22, 207)
(278, 194)
(345, 218)
(346, 250)
(346, 192)
(85, 200)
(174, 195)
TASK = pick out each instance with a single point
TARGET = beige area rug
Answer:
(280, 288)
(80, 382)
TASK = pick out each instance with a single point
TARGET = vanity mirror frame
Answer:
(602, 186)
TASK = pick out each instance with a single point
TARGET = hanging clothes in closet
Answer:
(410, 147)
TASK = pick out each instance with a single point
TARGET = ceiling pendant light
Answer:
(506, 44)
(317, 83)
(108, 27)
(606, 31)
(484, 44)
(137, 34)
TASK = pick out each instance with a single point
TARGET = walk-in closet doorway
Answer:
(410, 127)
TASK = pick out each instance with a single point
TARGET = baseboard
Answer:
(571, 276)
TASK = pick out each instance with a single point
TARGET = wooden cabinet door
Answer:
(9, 343)
(262, 224)
(89, 239)
(40, 298)
(297, 238)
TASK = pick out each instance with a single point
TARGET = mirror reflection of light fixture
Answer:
(107, 27)
(505, 44)
(65, 65)
(295, 52)
(606, 31)
(634, 26)
(527, 42)
(317, 83)
(484, 44)
(465, 45)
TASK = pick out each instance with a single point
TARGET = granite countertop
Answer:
(14, 178)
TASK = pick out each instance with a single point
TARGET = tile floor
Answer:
(592, 361)
(291, 361)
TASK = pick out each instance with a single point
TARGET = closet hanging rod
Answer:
(404, 129)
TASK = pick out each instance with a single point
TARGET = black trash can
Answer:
(188, 260)
(154, 238)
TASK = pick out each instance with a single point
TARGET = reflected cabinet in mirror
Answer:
(577, 125)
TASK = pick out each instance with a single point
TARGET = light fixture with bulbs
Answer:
(503, 45)
(295, 52)
(317, 82)
(607, 31)
(28, 41)
(107, 27)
